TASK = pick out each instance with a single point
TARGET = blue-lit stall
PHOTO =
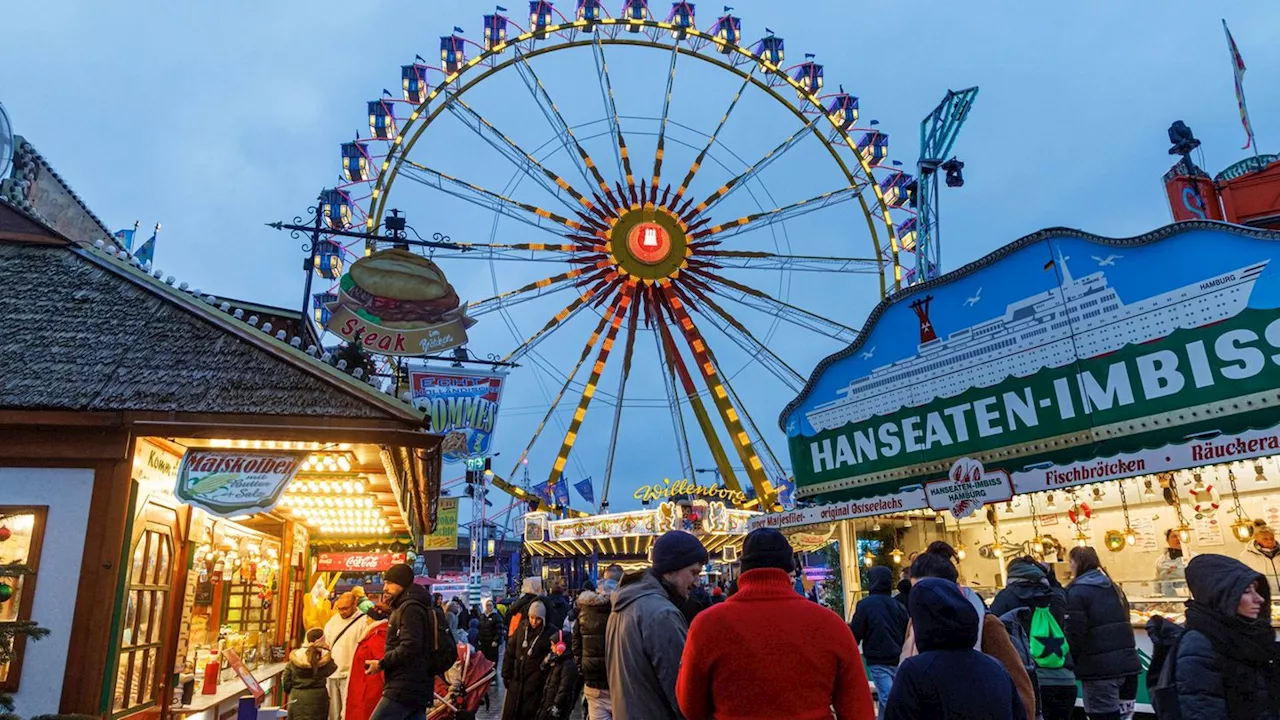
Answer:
(335, 208)
(413, 81)
(843, 110)
(495, 30)
(320, 307)
(355, 162)
(894, 189)
(635, 10)
(329, 259)
(453, 54)
(809, 75)
(590, 10)
(874, 147)
(539, 18)
(728, 31)
(771, 50)
(907, 233)
(382, 120)
(681, 18)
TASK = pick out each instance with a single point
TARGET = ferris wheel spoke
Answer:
(763, 302)
(537, 288)
(555, 402)
(526, 213)
(518, 252)
(725, 190)
(711, 139)
(777, 215)
(673, 397)
(677, 368)
(588, 392)
(656, 180)
(615, 126)
(556, 320)
(752, 260)
(742, 442)
(617, 409)
(517, 156)
(741, 336)
(577, 154)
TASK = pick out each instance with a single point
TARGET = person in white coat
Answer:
(1171, 565)
(1262, 554)
(342, 634)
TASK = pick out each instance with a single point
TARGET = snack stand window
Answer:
(142, 627)
(21, 535)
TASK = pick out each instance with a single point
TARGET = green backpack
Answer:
(1047, 643)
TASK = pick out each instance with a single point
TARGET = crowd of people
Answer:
(656, 645)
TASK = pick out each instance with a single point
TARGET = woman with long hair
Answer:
(306, 676)
(1099, 633)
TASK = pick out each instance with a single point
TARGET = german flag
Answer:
(1050, 264)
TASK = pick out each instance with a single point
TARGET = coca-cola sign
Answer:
(357, 562)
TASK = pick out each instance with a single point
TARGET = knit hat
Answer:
(399, 574)
(767, 548)
(677, 549)
(537, 609)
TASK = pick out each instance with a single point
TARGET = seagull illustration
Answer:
(974, 300)
(866, 355)
(1107, 261)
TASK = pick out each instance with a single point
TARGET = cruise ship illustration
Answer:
(1033, 334)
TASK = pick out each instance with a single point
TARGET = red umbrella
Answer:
(426, 580)
(467, 682)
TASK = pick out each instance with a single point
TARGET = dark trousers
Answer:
(1057, 702)
(389, 709)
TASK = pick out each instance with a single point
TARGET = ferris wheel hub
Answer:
(649, 244)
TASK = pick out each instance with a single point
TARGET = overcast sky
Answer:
(215, 118)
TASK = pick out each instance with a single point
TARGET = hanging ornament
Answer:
(1114, 541)
(1258, 476)
(5, 533)
(1079, 513)
(6, 591)
(1207, 499)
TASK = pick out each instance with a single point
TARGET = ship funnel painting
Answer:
(1018, 347)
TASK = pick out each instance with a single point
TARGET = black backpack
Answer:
(1162, 673)
(443, 651)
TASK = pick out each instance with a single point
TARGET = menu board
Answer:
(184, 627)
(1208, 531)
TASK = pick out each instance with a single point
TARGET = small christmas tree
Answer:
(10, 631)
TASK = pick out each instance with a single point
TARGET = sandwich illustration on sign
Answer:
(399, 303)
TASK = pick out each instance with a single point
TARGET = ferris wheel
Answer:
(677, 218)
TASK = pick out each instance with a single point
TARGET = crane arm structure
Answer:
(938, 134)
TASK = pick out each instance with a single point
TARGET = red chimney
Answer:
(921, 307)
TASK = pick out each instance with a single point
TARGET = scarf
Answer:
(1173, 553)
(1251, 642)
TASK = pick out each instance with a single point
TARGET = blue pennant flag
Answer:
(541, 491)
(147, 252)
(562, 492)
(501, 9)
(125, 238)
(458, 30)
(786, 493)
(586, 491)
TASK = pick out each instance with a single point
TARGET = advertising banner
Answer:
(1046, 355)
(227, 483)
(462, 405)
(398, 303)
(445, 536)
(357, 562)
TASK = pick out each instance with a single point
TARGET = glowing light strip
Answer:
(711, 139)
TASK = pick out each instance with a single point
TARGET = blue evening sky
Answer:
(215, 118)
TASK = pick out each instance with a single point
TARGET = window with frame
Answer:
(142, 626)
(21, 538)
(245, 611)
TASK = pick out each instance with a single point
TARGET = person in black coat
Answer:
(522, 671)
(560, 689)
(699, 599)
(1031, 584)
(1099, 632)
(949, 680)
(491, 632)
(1227, 658)
(407, 685)
(558, 607)
(880, 625)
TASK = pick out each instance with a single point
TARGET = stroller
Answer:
(460, 693)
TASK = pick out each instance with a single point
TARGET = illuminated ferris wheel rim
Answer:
(422, 117)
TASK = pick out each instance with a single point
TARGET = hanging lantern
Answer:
(1184, 532)
(321, 302)
(1130, 536)
(1081, 539)
(413, 83)
(329, 260)
(335, 207)
(960, 551)
(382, 120)
(868, 559)
(896, 554)
(1242, 528)
(355, 162)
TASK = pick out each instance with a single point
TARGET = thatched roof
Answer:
(90, 330)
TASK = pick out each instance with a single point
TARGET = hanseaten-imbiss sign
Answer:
(1060, 349)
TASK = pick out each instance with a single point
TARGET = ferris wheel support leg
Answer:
(617, 411)
(678, 369)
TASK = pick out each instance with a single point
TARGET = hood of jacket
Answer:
(375, 629)
(587, 598)
(641, 588)
(943, 618)
(879, 580)
(299, 658)
(413, 592)
(1093, 578)
(1031, 594)
(1217, 582)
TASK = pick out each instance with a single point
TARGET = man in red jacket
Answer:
(767, 652)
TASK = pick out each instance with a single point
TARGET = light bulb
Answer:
(1184, 534)
(1130, 537)
(939, 519)
(960, 553)
(1082, 540)
(998, 552)
(1198, 486)
(875, 527)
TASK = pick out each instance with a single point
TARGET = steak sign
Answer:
(357, 562)
(968, 487)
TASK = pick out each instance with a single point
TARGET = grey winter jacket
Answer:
(644, 641)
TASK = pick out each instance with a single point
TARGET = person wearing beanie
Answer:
(530, 590)
(646, 631)
(948, 679)
(731, 661)
(407, 688)
(880, 624)
(523, 673)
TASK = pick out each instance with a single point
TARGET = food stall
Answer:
(1056, 393)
